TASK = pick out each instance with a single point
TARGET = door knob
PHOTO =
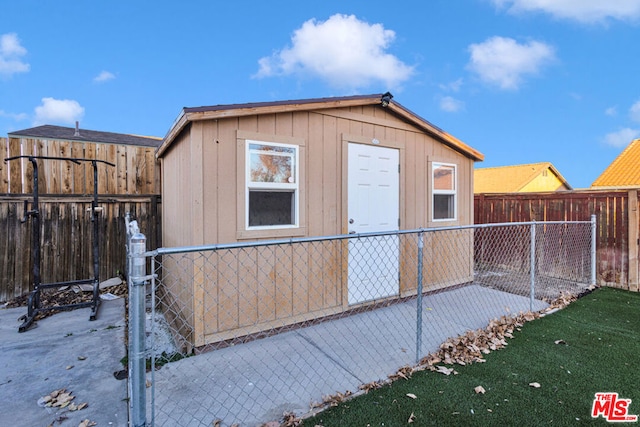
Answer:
(351, 221)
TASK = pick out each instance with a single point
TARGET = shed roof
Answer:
(193, 114)
(510, 179)
(623, 171)
(85, 135)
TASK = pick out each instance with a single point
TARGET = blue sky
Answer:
(520, 80)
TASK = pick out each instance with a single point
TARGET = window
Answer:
(272, 185)
(444, 191)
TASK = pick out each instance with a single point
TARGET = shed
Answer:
(526, 178)
(623, 172)
(303, 168)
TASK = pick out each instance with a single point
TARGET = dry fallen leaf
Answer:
(86, 423)
(62, 400)
(412, 418)
(335, 399)
(405, 373)
(480, 390)
(290, 420)
(560, 342)
(370, 386)
(535, 385)
(444, 370)
(411, 395)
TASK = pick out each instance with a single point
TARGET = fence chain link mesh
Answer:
(243, 333)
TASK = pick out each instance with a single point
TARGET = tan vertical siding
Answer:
(228, 190)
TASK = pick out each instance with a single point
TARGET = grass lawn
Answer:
(600, 353)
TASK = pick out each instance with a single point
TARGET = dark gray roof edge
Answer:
(224, 107)
(276, 103)
(86, 135)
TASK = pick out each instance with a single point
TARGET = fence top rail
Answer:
(259, 243)
(71, 159)
(506, 224)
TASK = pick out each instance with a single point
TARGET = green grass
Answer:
(601, 354)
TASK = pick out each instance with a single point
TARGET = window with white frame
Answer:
(272, 185)
(444, 191)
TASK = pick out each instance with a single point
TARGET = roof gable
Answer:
(624, 170)
(238, 110)
(85, 135)
(511, 179)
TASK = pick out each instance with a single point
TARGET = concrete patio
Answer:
(258, 381)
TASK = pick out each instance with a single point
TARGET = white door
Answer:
(373, 205)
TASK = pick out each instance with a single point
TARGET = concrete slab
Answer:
(256, 382)
(34, 363)
(250, 383)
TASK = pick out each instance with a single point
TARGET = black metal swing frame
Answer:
(33, 304)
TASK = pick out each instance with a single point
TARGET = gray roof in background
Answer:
(68, 134)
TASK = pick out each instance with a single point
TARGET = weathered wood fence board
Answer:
(67, 238)
(4, 168)
(616, 215)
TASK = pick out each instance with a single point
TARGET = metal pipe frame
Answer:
(33, 303)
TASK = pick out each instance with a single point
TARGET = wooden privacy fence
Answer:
(136, 170)
(616, 215)
(66, 238)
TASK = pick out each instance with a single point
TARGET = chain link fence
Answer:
(244, 333)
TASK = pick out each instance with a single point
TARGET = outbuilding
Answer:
(304, 168)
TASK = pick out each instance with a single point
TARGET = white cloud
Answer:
(634, 112)
(52, 110)
(452, 86)
(611, 111)
(104, 76)
(622, 137)
(14, 116)
(450, 104)
(343, 51)
(503, 62)
(11, 53)
(585, 11)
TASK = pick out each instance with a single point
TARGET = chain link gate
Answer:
(243, 333)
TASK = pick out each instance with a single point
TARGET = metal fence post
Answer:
(419, 307)
(137, 273)
(593, 249)
(533, 265)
